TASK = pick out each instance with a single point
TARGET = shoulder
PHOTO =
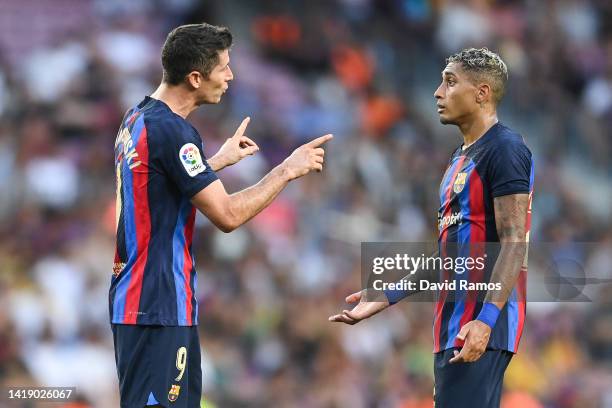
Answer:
(167, 128)
(507, 139)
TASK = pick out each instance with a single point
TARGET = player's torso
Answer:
(466, 226)
(466, 205)
(153, 273)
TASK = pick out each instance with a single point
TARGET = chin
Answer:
(211, 101)
(446, 121)
(217, 99)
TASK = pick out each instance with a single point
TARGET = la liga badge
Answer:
(191, 159)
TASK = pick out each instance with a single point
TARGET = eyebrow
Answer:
(448, 73)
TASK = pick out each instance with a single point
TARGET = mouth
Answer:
(440, 108)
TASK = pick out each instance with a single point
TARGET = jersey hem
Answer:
(510, 191)
(162, 322)
(201, 186)
(441, 350)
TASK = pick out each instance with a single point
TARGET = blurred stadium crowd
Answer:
(364, 70)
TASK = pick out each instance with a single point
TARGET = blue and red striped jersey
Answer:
(159, 165)
(497, 164)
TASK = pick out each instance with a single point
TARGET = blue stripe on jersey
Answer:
(195, 287)
(178, 263)
(464, 232)
(443, 189)
(447, 179)
(513, 318)
(531, 175)
(128, 117)
(130, 229)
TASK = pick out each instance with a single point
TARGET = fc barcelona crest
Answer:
(174, 393)
(459, 182)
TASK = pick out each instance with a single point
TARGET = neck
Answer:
(177, 98)
(476, 128)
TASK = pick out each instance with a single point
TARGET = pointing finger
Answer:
(242, 127)
(320, 140)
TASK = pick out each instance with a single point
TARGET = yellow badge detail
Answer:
(459, 182)
(118, 267)
(174, 392)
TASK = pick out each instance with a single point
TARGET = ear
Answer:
(483, 93)
(194, 79)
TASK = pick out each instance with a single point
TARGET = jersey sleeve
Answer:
(510, 169)
(183, 159)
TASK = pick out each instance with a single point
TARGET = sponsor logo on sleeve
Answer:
(191, 159)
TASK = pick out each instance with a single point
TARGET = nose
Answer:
(230, 74)
(438, 93)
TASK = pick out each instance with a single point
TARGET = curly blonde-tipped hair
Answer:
(484, 66)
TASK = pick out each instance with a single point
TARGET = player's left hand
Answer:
(238, 146)
(475, 335)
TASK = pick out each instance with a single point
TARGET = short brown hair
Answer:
(193, 47)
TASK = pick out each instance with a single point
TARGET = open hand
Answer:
(361, 311)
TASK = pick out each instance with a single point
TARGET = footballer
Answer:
(162, 178)
(485, 197)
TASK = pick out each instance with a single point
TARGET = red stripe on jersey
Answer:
(188, 265)
(140, 181)
(117, 258)
(522, 285)
(477, 242)
(521, 289)
(442, 297)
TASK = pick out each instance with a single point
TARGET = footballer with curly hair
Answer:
(485, 197)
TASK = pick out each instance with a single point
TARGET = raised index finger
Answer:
(242, 127)
(319, 140)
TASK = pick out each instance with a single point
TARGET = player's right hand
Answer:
(306, 158)
(362, 311)
(238, 146)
